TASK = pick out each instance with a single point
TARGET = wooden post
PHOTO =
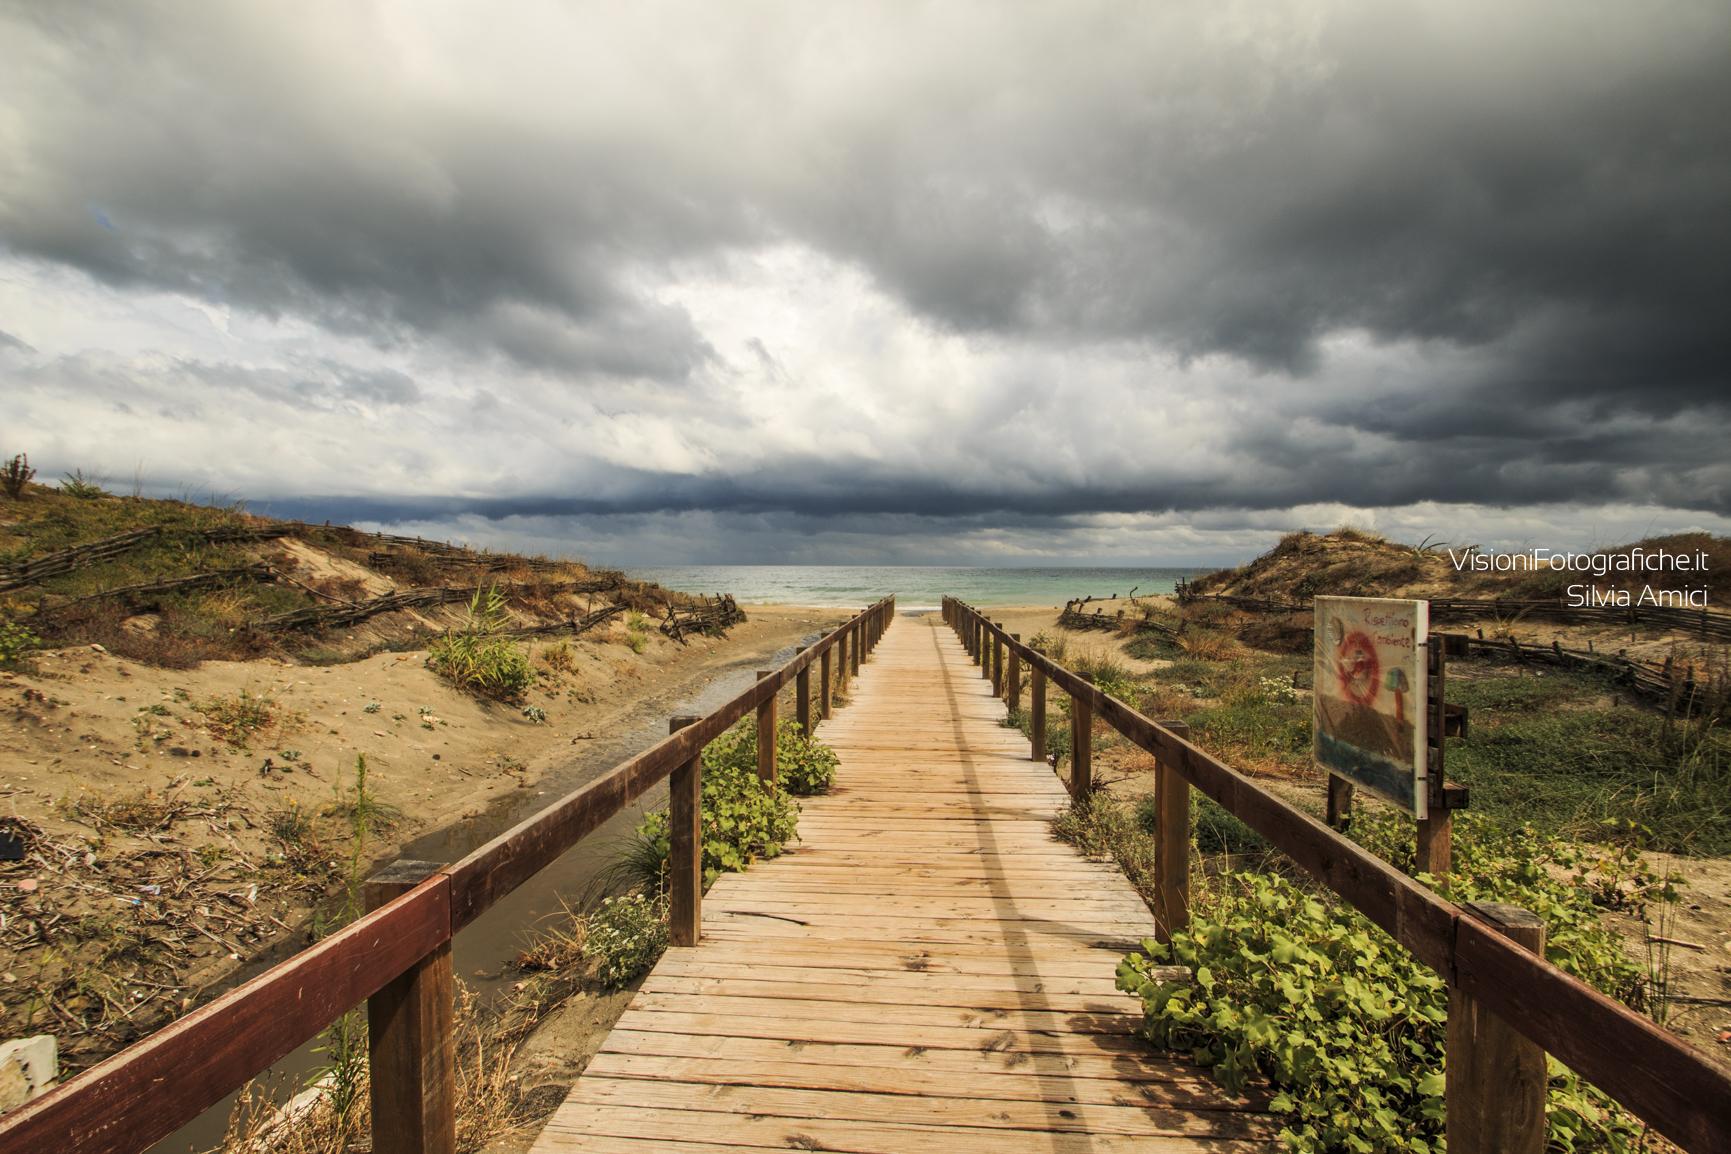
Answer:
(685, 859)
(1171, 844)
(1037, 711)
(854, 649)
(1436, 830)
(1015, 690)
(987, 642)
(1339, 801)
(1495, 1095)
(802, 696)
(841, 661)
(766, 734)
(411, 1038)
(1081, 747)
(823, 684)
(1435, 843)
(997, 661)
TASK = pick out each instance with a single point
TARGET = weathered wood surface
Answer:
(927, 971)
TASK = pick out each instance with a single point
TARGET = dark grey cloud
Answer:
(1372, 256)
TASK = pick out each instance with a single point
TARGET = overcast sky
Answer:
(991, 283)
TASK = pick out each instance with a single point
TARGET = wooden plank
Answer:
(1127, 1068)
(927, 969)
(916, 1109)
(892, 1077)
(575, 1123)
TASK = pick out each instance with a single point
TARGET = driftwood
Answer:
(334, 616)
(711, 618)
(150, 591)
(577, 626)
(487, 562)
(65, 561)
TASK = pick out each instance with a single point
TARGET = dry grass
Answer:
(1208, 644)
(559, 657)
(145, 812)
(489, 1104)
(557, 948)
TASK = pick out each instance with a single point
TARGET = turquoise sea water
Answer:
(915, 586)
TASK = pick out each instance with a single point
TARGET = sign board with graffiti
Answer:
(1370, 695)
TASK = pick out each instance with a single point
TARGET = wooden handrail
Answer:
(1656, 1076)
(157, 1085)
(160, 1083)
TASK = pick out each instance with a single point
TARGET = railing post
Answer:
(841, 660)
(858, 644)
(986, 643)
(685, 834)
(766, 734)
(1081, 746)
(1171, 843)
(802, 697)
(1495, 1093)
(1339, 813)
(1037, 713)
(411, 1038)
(823, 684)
(997, 661)
(1015, 691)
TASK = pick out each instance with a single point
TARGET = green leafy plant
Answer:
(744, 818)
(360, 807)
(236, 718)
(636, 631)
(478, 657)
(76, 484)
(15, 474)
(1277, 690)
(16, 644)
(625, 935)
(535, 714)
(804, 765)
(1568, 884)
(1344, 1024)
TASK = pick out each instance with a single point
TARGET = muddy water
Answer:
(483, 950)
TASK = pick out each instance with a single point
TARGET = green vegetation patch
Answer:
(1545, 750)
(744, 817)
(478, 657)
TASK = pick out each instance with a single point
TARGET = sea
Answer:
(915, 586)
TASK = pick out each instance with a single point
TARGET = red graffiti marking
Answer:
(1356, 669)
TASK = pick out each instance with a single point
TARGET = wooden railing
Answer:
(1502, 991)
(397, 957)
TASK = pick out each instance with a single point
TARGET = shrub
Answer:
(743, 817)
(76, 484)
(804, 765)
(1346, 1026)
(15, 474)
(235, 719)
(1207, 644)
(16, 642)
(636, 631)
(1567, 884)
(1056, 646)
(625, 936)
(478, 657)
(1278, 690)
(559, 657)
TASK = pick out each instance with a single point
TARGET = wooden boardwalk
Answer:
(928, 971)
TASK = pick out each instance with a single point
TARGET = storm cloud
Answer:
(859, 277)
